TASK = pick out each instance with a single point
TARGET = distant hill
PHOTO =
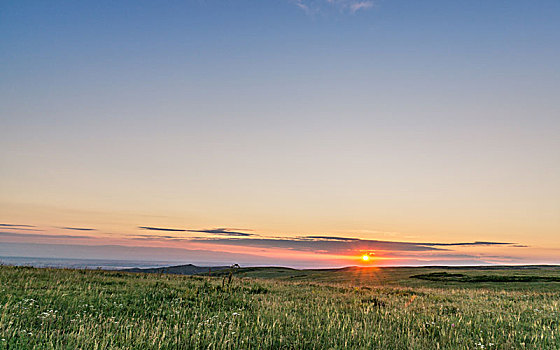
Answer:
(188, 269)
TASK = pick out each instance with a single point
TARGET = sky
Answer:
(302, 133)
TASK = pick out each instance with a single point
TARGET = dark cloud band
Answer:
(339, 245)
(150, 228)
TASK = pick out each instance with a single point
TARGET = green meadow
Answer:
(275, 308)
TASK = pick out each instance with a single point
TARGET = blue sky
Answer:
(412, 121)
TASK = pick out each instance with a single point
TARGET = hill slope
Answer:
(188, 269)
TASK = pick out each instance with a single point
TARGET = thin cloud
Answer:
(20, 227)
(331, 238)
(340, 245)
(25, 229)
(467, 243)
(77, 228)
(161, 229)
(311, 7)
(39, 235)
(150, 237)
(224, 231)
(361, 5)
(304, 7)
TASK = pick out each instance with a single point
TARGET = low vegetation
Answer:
(77, 309)
(459, 277)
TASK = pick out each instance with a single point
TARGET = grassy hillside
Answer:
(351, 308)
(500, 277)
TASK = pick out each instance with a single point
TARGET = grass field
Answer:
(274, 308)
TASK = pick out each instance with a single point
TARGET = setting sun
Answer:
(365, 257)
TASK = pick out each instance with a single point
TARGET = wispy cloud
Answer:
(322, 6)
(303, 6)
(360, 5)
(13, 225)
(330, 238)
(76, 228)
(141, 237)
(467, 243)
(224, 231)
(150, 228)
(340, 245)
(40, 235)
(20, 227)
(316, 243)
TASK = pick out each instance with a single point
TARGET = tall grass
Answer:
(73, 309)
